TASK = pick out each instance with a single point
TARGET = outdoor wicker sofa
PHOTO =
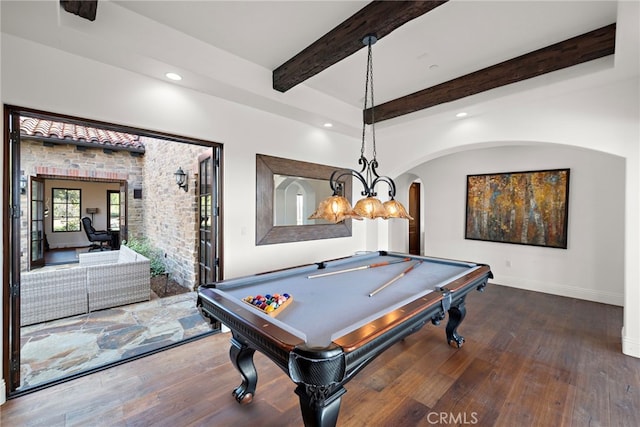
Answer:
(48, 295)
(100, 280)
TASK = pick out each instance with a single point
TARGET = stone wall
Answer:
(170, 213)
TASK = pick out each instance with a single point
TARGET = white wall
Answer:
(592, 266)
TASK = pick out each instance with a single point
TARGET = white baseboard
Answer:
(629, 346)
(594, 295)
(3, 393)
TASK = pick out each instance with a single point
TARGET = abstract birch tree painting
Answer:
(529, 208)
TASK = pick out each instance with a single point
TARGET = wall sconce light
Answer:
(23, 184)
(181, 179)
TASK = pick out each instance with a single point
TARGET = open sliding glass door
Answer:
(37, 237)
(208, 214)
(116, 215)
(11, 239)
(123, 212)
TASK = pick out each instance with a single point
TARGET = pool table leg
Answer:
(456, 316)
(318, 408)
(242, 358)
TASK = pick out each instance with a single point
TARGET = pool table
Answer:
(343, 313)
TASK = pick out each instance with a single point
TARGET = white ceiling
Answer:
(452, 40)
(232, 46)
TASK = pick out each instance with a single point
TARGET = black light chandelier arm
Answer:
(373, 178)
(337, 174)
(369, 166)
(368, 189)
(389, 181)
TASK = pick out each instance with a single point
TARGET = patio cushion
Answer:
(126, 254)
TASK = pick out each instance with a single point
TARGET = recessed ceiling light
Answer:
(328, 125)
(461, 114)
(173, 76)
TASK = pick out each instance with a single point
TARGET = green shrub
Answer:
(143, 247)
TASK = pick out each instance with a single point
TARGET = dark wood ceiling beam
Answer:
(84, 8)
(378, 17)
(586, 47)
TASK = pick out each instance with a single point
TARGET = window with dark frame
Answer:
(113, 209)
(66, 209)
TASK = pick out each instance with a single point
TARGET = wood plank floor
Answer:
(530, 359)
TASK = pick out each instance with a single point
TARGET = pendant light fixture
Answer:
(337, 208)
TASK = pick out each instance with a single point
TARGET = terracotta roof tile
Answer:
(30, 126)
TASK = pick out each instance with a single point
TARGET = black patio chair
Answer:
(97, 238)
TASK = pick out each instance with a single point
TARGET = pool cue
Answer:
(398, 277)
(362, 267)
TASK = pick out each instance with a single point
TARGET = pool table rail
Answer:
(439, 303)
(484, 272)
(389, 321)
(246, 321)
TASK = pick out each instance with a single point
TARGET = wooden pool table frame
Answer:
(321, 373)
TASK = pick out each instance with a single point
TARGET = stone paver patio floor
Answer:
(60, 348)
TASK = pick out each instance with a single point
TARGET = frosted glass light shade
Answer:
(395, 209)
(333, 209)
(369, 207)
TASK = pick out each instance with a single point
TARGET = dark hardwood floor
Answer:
(530, 359)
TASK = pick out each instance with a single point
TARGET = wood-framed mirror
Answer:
(287, 192)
